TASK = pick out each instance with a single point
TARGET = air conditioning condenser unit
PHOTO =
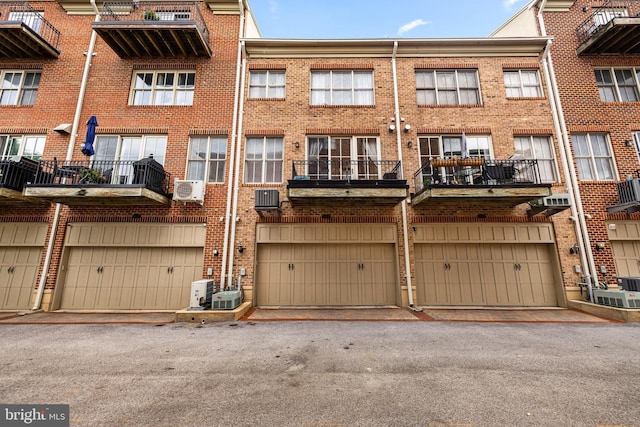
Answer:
(185, 190)
(226, 300)
(201, 294)
(619, 299)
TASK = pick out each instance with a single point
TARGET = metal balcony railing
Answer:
(22, 12)
(450, 172)
(16, 172)
(105, 173)
(604, 14)
(346, 170)
(154, 12)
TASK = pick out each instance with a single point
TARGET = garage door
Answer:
(150, 277)
(21, 247)
(483, 272)
(310, 271)
(625, 246)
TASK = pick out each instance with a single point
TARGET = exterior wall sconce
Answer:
(409, 144)
(297, 144)
(628, 143)
(215, 251)
(574, 249)
(600, 246)
(240, 248)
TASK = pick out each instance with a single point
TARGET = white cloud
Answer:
(508, 4)
(273, 6)
(411, 25)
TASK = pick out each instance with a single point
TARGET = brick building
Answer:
(372, 172)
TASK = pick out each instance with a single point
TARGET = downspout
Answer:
(234, 138)
(577, 209)
(236, 183)
(405, 230)
(72, 141)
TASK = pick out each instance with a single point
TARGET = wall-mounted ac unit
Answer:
(188, 190)
(201, 293)
(629, 191)
(267, 199)
(554, 201)
(620, 299)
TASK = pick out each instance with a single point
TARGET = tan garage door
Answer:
(21, 246)
(111, 277)
(625, 247)
(326, 265)
(483, 273)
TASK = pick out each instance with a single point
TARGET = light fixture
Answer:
(215, 251)
(240, 248)
(63, 129)
(585, 8)
(409, 144)
(297, 144)
(392, 128)
(628, 143)
(600, 246)
(574, 249)
(407, 128)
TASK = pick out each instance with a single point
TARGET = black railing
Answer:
(16, 172)
(346, 169)
(154, 12)
(104, 173)
(22, 12)
(604, 14)
(439, 172)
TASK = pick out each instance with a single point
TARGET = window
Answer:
(618, 84)
(447, 87)
(593, 156)
(431, 147)
(539, 148)
(267, 84)
(522, 83)
(350, 157)
(19, 87)
(30, 146)
(342, 88)
(163, 88)
(119, 153)
(263, 160)
(207, 156)
(636, 143)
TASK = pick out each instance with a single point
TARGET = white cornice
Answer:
(558, 5)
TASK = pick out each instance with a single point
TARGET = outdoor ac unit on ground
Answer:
(629, 283)
(188, 190)
(226, 300)
(201, 294)
(553, 201)
(629, 191)
(620, 299)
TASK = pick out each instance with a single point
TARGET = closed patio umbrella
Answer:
(87, 147)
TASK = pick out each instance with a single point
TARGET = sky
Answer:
(353, 19)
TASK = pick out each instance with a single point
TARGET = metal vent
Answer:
(267, 199)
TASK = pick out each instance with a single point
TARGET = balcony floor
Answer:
(346, 192)
(83, 195)
(507, 195)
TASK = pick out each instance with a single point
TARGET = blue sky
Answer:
(310, 19)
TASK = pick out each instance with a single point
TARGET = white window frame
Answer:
(612, 90)
(588, 160)
(145, 92)
(264, 159)
(636, 143)
(363, 152)
(332, 89)
(536, 150)
(270, 88)
(19, 91)
(123, 148)
(29, 146)
(207, 165)
(423, 89)
(478, 146)
(519, 85)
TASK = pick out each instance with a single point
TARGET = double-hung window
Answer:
(163, 88)
(267, 84)
(19, 87)
(207, 157)
(447, 87)
(343, 157)
(618, 84)
(593, 156)
(538, 148)
(263, 160)
(522, 83)
(30, 146)
(342, 88)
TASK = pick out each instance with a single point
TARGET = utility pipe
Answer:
(589, 264)
(72, 140)
(405, 230)
(234, 138)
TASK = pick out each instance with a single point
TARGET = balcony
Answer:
(15, 172)
(479, 181)
(109, 182)
(613, 27)
(157, 29)
(24, 33)
(346, 183)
